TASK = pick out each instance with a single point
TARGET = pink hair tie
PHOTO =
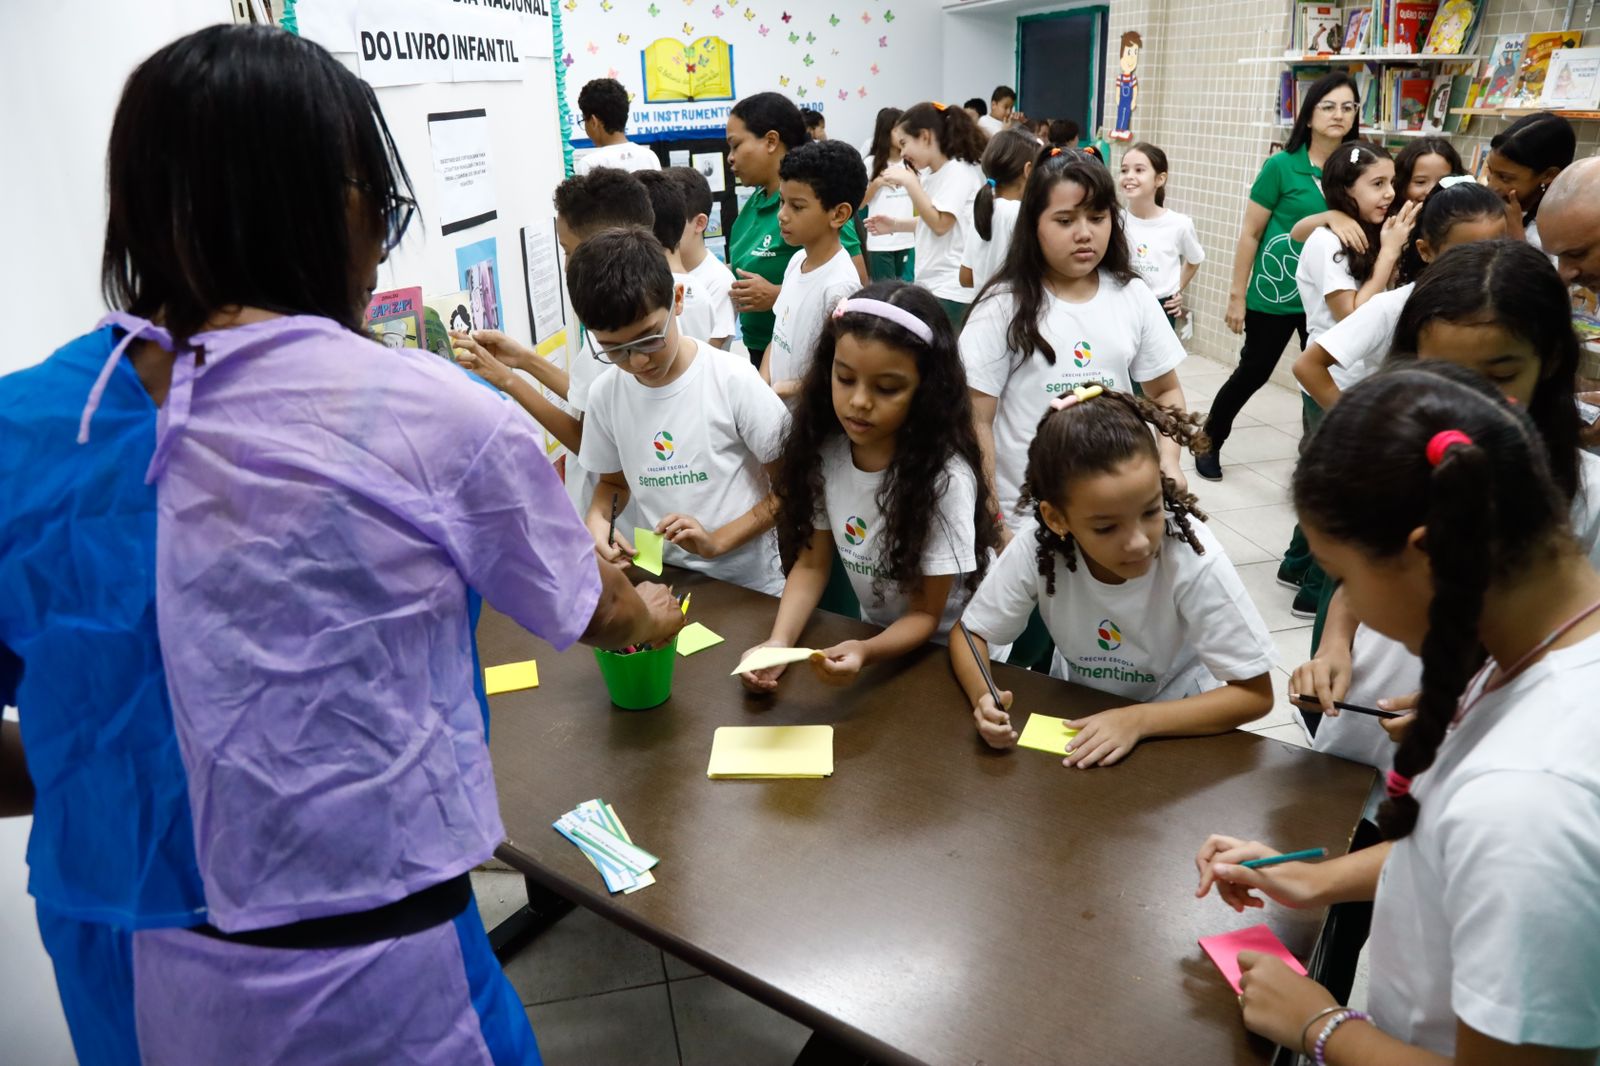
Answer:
(1396, 785)
(1077, 395)
(1441, 442)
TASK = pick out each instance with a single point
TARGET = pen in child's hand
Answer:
(1312, 701)
(983, 669)
(1293, 856)
(611, 531)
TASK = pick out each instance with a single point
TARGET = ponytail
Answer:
(959, 136)
(1005, 162)
(983, 211)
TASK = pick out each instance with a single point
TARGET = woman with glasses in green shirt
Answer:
(761, 130)
(1263, 301)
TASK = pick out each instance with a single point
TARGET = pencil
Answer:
(611, 530)
(983, 668)
(1312, 701)
(1293, 856)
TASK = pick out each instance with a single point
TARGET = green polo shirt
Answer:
(1288, 187)
(754, 244)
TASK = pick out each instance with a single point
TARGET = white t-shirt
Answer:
(707, 303)
(1184, 627)
(1322, 270)
(695, 447)
(890, 201)
(990, 125)
(938, 268)
(1359, 343)
(1490, 910)
(850, 512)
(985, 257)
(1118, 337)
(803, 305)
(623, 156)
(1160, 246)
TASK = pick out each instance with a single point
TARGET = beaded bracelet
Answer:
(1305, 1030)
(1318, 1051)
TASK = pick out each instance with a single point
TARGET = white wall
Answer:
(842, 56)
(980, 52)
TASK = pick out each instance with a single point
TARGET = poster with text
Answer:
(406, 42)
(541, 264)
(478, 270)
(462, 178)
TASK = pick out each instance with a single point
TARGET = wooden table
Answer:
(934, 901)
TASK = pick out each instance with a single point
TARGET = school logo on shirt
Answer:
(1081, 354)
(663, 446)
(1108, 636)
(1274, 279)
(1141, 250)
(855, 530)
(764, 249)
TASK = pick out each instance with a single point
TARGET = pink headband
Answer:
(1077, 395)
(888, 311)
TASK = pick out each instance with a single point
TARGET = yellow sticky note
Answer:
(1043, 733)
(647, 550)
(696, 637)
(511, 677)
(762, 751)
(762, 658)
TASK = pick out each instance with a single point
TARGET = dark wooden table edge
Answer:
(811, 1017)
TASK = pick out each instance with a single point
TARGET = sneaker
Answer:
(1305, 604)
(1290, 577)
(1209, 465)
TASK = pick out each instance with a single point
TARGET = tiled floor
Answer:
(599, 996)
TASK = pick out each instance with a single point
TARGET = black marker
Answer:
(1312, 701)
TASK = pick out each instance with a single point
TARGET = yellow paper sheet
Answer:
(1043, 733)
(647, 548)
(511, 677)
(696, 637)
(762, 658)
(763, 751)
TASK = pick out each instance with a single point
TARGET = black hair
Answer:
(1340, 173)
(617, 277)
(1489, 509)
(813, 117)
(462, 313)
(1002, 92)
(1158, 163)
(1064, 133)
(1405, 162)
(978, 104)
(1442, 209)
(1096, 436)
(606, 100)
(1512, 285)
(603, 199)
(833, 170)
(695, 189)
(1300, 134)
(1004, 162)
(1539, 142)
(197, 217)
(1024, 270)
(766, 113)
(667, 207)
(883, 139)
(955, 131)
(938, 427)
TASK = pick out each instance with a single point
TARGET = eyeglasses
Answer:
(397, 214)
(1333, 107)
(618, 354)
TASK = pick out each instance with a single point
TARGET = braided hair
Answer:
(1096, 436)
(1489, 509)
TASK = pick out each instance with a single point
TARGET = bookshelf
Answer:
(1353, 57)
(1518, 112)
(1369, 132)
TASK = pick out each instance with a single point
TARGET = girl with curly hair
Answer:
(881, 463)
(1155, 614)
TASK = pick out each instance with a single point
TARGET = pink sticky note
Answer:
(1224, 950)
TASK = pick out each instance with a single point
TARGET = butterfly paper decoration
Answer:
(622, 38)
(888, 16)
(883, 42)
(567, 60)
(833, 20)
(811, 38)
(612, 73)
(593, 48)
(783, 80)
(749, 14)
(787, 16)
(862, 92)
(689, 68)
(571, 5)
(763, 30)
(605, 5)
(874, 68)
(866, 17)
(822, 83)
(844, 94)
(717, 11)
(794, 38)
(654, 10)
(808, 61)
(688, 30)
(801, 92)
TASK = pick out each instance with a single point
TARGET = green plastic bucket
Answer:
(639, 681)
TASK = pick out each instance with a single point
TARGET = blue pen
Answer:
(1293, 856)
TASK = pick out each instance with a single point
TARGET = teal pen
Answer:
(1293, 856)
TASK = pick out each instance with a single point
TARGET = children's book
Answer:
(1321, 35)
(452, 310)
(1536, 62)
(394, 318)
(1286, 96)
(1354, 29)
(1573, 81)
(1453, 27)
(1411, 21)
(1502, 66)
(1438, 104)
(1412, 101)
(1463, 96)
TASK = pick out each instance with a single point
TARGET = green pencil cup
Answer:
(639, 681)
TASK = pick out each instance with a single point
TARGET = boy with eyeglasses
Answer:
(684, 431)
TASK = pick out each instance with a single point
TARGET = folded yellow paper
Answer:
(696, 637)
(762, 751)
(762, 658)
(511, 677)
(1043, 733)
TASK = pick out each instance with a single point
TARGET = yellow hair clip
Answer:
(937, 106)
(1078, 395)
